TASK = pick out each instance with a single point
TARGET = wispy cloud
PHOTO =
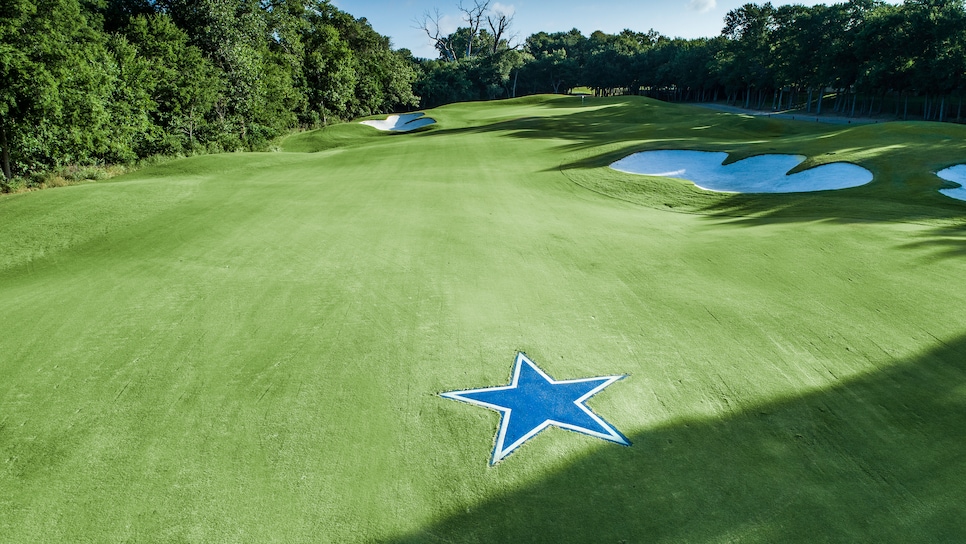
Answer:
(702, 6)
(448, 24)
(507, 10)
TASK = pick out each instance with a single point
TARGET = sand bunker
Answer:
(401, 123)
(955, 174)
(760, 174)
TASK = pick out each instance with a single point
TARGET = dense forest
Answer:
(862, 52)
(99, 82)
(112, 81)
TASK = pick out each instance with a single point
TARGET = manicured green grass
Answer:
(250, 347)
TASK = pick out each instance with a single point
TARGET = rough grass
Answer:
(249, 347)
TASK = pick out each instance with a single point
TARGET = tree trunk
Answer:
(821, 94)
(776, 97)
(925, 109)
(748, 97)
(808, 106)
(5, 153)
(855, 98)
(515, 76)
(905, 108)
(942, 105)
(959, 110)
(191, 127)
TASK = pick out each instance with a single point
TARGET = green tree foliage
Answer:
(556, 62)
(474, 63)
(863, 52)
(936, 31)
(118, 80)
(57, 74)
(180, 84)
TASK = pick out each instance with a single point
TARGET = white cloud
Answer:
(448, 24)
(702, 6)
(503, 9)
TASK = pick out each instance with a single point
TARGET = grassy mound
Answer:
(336, 136)
(250, 347)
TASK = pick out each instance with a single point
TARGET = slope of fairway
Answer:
(251, 347)
(902, 157)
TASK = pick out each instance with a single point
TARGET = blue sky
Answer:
(683, 18)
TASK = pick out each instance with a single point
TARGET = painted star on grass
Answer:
(534, 401)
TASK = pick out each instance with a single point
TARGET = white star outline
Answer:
(500, 451)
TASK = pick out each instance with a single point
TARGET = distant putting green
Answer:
(252, 347)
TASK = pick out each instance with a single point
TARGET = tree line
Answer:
(864, 53)
(113, 81)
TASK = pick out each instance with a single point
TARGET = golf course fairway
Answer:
(252, 347)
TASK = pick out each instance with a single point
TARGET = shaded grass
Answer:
(874, 458)
(903, 157)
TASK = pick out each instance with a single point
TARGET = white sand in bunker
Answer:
(759, 174)
(401, 123)
(955, 174)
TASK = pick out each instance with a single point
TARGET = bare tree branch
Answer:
(473, 15)
(499, 23)
(430, 25)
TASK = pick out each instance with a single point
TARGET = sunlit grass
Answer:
(250, 347)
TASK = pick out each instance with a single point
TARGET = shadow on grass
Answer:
(843, 206)
(606, 121)
(943, 242)
(879, 458)
(903, 157)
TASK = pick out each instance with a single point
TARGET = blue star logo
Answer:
(534, 401)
